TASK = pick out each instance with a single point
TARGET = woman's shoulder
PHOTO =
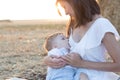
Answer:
(102, 20)
(103, 23)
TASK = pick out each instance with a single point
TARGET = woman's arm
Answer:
(54, 61)
(113, 49)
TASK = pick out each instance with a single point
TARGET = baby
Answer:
(57, 44)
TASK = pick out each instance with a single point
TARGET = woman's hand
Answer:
(54, 61)
(72, 59)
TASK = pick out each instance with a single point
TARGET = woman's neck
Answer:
(96, 17)
(93, 20)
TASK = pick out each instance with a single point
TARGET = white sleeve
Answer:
(101, 27)
(104, 27)
(54, 51)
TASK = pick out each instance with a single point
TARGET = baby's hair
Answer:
(49, 41)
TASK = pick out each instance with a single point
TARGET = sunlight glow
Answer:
(60, 10)
(28, 9)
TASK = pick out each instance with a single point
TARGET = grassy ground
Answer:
(21, 51)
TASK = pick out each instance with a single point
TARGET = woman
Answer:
(90, 36)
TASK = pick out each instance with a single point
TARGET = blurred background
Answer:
(25, 24)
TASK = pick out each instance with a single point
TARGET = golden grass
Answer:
(21, 51)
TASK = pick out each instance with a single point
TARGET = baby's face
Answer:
(62, 42)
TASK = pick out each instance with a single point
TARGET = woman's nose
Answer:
(67, 39)
(66, 13)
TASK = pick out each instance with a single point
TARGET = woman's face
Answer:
(68, 9)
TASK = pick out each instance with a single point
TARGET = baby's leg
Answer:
(83, 76)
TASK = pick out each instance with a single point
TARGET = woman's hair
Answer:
(84, 11)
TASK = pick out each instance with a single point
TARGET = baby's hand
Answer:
(59, 62)
(55, 59)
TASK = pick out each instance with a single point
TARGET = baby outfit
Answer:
(64, 73)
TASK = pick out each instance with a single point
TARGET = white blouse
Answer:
(90, 47)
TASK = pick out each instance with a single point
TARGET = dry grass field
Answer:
(21, 49)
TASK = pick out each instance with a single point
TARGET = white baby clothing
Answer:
(64, 73)
(90, 48)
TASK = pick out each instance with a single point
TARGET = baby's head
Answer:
(57, 40)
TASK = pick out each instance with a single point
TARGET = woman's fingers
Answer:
(72, 59)
(67, 58)
(54, 56)
(58, 65)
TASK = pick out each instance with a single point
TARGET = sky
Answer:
(28, 9)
